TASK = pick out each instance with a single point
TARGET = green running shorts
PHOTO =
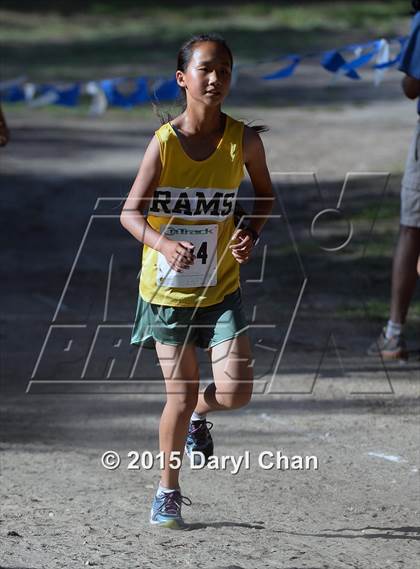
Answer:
(209, 326)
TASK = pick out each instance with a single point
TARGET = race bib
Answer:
(203, 272)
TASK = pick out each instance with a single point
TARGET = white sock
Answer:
(197, 417)
(165, 490)
(393, 329)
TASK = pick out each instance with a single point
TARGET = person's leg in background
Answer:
(391, 343)
(405, 261)
(404, 272)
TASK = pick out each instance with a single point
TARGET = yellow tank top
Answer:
(195, 202)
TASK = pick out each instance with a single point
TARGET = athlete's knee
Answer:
(237, 399)
(183, 403)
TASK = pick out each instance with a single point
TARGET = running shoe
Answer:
(393, 348)
(199, 440)
(166, 509)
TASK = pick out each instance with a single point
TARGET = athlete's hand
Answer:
(241, 249)
(179, 254)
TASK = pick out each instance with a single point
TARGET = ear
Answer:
(179, 76)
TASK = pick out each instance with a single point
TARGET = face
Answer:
(208, 75)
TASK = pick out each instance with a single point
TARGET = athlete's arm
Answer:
(411, 87)
(134, 220)
(256, 165)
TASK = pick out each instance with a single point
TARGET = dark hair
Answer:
(187, 49)
(184, 57)
(416, 6)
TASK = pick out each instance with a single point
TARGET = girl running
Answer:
(189, 292)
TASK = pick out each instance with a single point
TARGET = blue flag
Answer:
(167, 91)
(334, 62)
(12, 94)
(119, 99)
(284, 71)
(68, 97)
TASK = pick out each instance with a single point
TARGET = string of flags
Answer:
(379, 55)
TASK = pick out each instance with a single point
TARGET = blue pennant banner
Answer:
(166, 90)
(128, 93)
(53, 95)
(286, 71)
(137, 94)
(13, 94)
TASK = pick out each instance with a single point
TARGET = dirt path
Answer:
(358, 510)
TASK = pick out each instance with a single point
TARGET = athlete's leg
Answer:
(180, 369)
(233, 377)
(404, 272)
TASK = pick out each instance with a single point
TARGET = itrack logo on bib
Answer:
(194, 203)
(171, 230)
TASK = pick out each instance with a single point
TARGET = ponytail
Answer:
(258, 127)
